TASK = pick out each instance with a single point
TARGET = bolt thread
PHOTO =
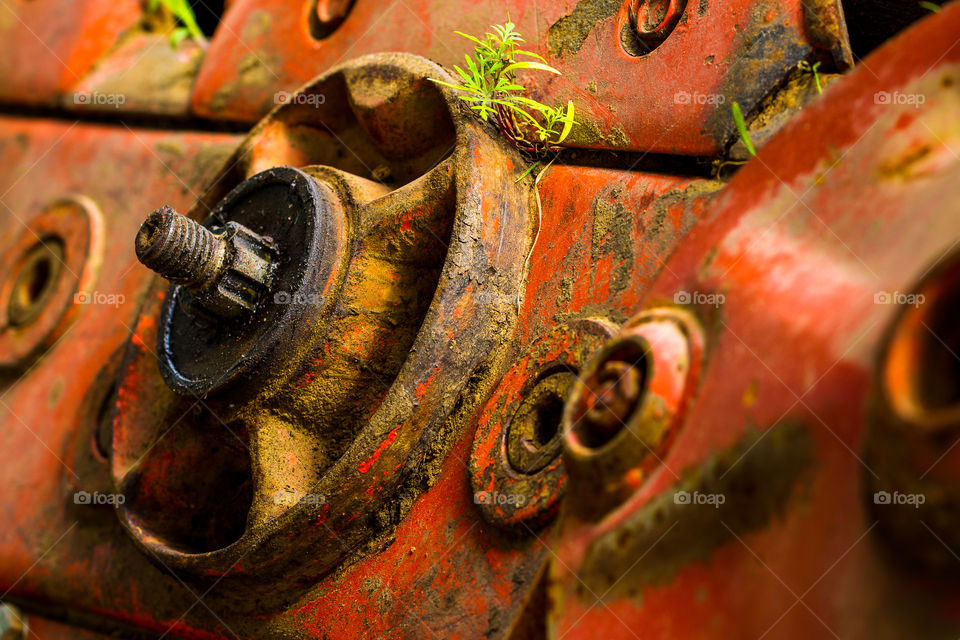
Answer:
(178, 248)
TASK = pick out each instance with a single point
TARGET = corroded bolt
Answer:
(612, 397)
(180, 249)
(227, 272)
(653, 20)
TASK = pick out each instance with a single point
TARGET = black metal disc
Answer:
(200, 355)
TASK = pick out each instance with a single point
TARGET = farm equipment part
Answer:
(385, 381)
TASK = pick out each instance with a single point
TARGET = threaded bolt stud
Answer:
(226, 272)
(179, 249)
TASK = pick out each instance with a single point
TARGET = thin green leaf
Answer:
(529, 64)
(456, 87)
(463, 74)
(568, 123)
(471, 65)
(527, 172)
(803, 65)
(183, 12)
(929, 6)
(539, 106)
(474, 39)
(515, 109)
(521, 52)
(178, 35)
(742, 128)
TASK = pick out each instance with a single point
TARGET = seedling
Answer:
(742, 128)
(814, 68)
(930, 6)
(491, 88)
(183, 12)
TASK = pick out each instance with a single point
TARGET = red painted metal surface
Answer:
(781, 268)
(853, 199)
(50, 45)
(443, 532)
(717, 54)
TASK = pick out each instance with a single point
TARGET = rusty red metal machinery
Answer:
(387, 382)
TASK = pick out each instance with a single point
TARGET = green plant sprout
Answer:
(930, 6)
(183, 12)
(491, 88)
(814, 68)
(742, 128)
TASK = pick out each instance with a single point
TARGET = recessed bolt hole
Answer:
(533, 437)
(939, 371)
(611, 395)
(35, 282)
(656, 11)
(549, 413)
(326, 16)
(649, 24)
(922, 368)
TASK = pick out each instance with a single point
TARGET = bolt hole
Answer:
(326, 16)
(533, 437)
(611, 394)
(652, 17)
(922, 368)
(35, 282)
(549, 414)
(648, 24)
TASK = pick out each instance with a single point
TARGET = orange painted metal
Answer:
(780, 267)
(853, 201)
(715, 55)
(51, 45)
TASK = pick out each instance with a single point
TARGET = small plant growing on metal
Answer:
(814, 68)
(183, 12)
(491, 88)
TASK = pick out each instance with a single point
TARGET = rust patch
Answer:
(903, 166)
(611, 234)
(756, 476)
(767, 52)
(568, 34)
